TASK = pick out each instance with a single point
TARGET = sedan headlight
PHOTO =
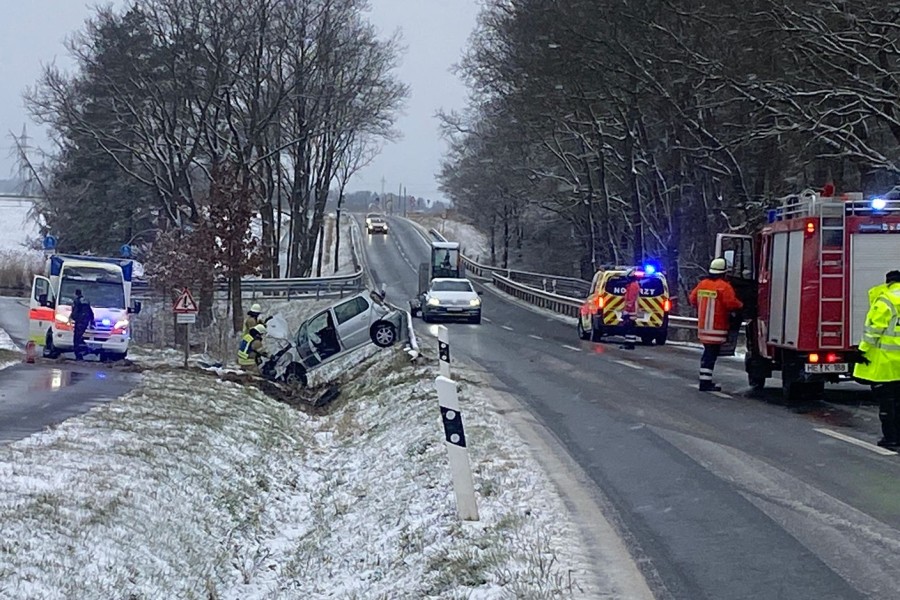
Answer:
(434, 302)
(475, 302)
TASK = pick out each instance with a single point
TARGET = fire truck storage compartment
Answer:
(871, 256)
(787, 264)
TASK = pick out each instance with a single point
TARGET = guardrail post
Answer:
(454, 434)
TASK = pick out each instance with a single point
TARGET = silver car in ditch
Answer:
(342, 327)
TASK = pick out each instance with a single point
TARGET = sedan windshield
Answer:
(451, 286)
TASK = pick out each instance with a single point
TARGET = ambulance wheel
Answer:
(114, 356)
(582, 334)
(49, 350)
(662, 338)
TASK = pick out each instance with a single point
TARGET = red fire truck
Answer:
(804, 280)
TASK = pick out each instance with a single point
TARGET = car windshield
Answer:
(451, 286)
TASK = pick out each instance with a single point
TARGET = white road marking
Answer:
(852, 440)
(487, 319)
(535, 337)
(721, 394)
(629, 364)
(573, 348)
(506, 327)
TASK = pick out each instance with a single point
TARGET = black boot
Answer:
(889, 444)
(709, 386)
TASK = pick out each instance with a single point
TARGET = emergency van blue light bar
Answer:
(649, 269)
(879, 204)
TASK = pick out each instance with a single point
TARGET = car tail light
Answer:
(600, 302)
(667, 305)
(813, 358)
(832, 357)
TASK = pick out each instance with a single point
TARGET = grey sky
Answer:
(435, 33)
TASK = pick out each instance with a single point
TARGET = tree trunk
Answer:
(337, 233)
(234, 290)
(635, 195)
(321, 257)
(505, 236)
(493, 231)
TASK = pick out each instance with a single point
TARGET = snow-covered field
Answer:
(17, 231)
(474, 243)
(190, 487)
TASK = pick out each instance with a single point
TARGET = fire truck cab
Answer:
(804, 280)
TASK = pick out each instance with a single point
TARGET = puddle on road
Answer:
(56, 379)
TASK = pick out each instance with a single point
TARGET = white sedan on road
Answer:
(448, 298)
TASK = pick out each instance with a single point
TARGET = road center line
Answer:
(573, 348)
(629, 364)
(535, 337)
(721, 394)
(507, 327)
(852, 440)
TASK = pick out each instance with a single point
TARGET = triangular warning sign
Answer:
(185, 303)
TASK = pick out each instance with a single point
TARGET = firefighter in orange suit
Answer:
(715, 300)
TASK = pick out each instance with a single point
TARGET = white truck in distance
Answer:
(105, 283)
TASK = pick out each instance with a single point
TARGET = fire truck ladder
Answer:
(832, 274)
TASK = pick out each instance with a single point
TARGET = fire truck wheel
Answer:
(757, 382)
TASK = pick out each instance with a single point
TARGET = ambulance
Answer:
(105, 283)
(601, 313)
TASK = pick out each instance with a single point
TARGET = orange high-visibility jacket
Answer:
(632, 294)
(714, 299)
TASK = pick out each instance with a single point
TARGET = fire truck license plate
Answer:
(832, 368)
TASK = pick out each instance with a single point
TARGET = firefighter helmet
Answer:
(260, 329)
(256, 308)
(718, 266)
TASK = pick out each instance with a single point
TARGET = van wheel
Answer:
(647, 340)
(383, 334)
(114, 356)
(662, 338)
(49, 350)
(582, 334)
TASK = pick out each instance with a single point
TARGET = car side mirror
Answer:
(135, 308)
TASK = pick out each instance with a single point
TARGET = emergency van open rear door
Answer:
(40, 310)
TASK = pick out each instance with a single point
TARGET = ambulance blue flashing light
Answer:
(879, 204)
(649, 269)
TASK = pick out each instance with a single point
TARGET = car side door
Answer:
(352, 319)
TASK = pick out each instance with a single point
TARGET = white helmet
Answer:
(256, 308)
(260, 329)
(718, 266)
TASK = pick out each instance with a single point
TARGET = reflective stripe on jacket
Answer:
(714, 299)
(248, 350)
(250, 323)
(881, 338)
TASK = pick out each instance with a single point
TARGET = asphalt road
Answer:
(36, 396)
(728, 496)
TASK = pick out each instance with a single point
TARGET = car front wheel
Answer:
(384, 334)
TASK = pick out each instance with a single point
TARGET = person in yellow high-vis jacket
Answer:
(250, 350)
(879, 358)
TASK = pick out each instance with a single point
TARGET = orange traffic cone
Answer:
(30, 352)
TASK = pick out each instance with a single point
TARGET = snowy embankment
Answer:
(191, 487)
(474, 243)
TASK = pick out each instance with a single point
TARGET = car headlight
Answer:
(123, 324)
(61, 318)
(434, 302)
(475, 302)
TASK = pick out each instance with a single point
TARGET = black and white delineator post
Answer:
(454, 433)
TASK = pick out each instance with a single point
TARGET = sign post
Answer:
(186, 309)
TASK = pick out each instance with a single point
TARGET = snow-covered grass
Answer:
(190, 487)
(474, 243)
(19, 233)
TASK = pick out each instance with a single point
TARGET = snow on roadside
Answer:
(6, 342)
(193, 487)
(474, 243)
